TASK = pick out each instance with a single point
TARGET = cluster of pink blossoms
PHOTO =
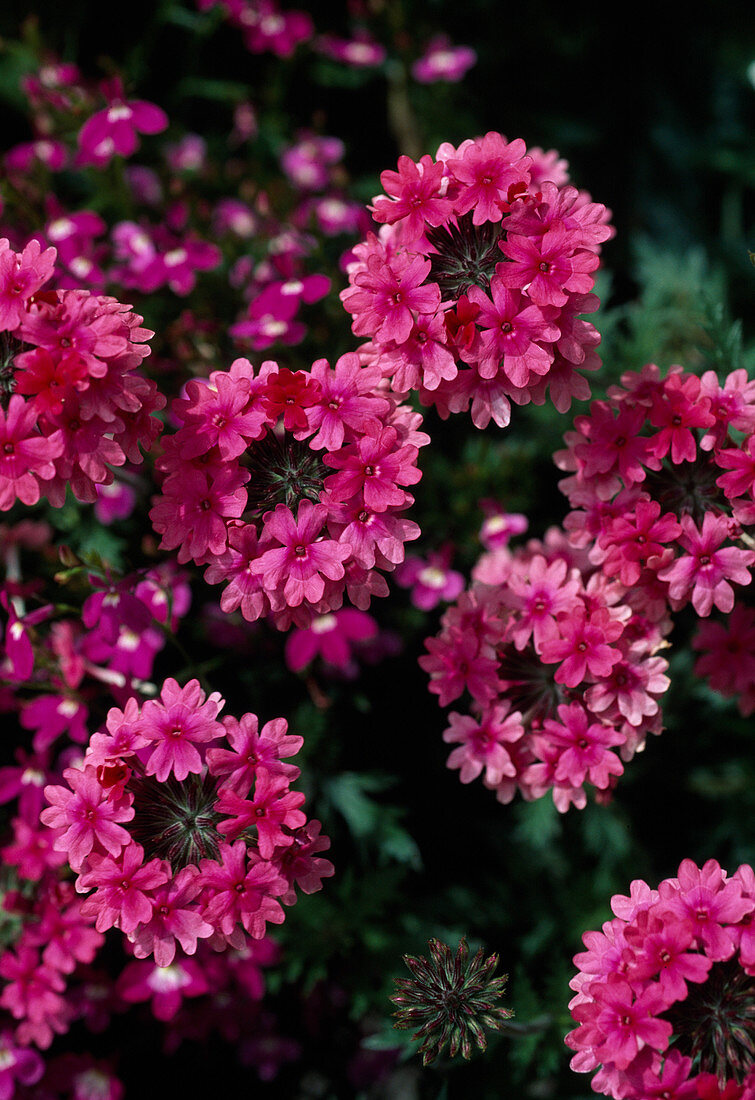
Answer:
(662, 483)
(665, 992)
(560, 668)
(289, 486)
(185, 827)
(473, 290)
(77, 406)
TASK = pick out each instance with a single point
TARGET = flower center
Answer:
(464, 255)
(284, 471)
(715, 1024)
(688, 488)
(176, 820)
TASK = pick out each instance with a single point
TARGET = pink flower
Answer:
(330, 637)
(182, 718)
(511, 327)
(253, 750)
(21, 276)
(386, 295)
(415, 192)
(26, 457)
(442, 61)
(272, 809)
(705, 570)
(84, 817)
(123, 889)
(241, 889)
(484, 744)
(173, 920)
(114, 129)
(584, 747)
(304, 559)
(431, 580)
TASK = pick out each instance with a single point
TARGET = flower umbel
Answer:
(449, 1000)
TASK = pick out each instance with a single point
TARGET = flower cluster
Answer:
(662, 486)
(665, 992)
(561, 668)
(289, 486)
(473, 290)
(77, 406)
(182, 827)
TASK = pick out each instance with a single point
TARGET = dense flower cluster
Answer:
(561, 668)
(289, 486)
(473, 290)
(665, 992)
(185, 827)
(77, 405)
(662, 487)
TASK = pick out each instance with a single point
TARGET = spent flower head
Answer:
(450, 1000)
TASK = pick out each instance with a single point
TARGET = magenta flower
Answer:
(651, 975)
(242, 889)
(705, 570)
(511, 327)
(253, 750)
(415, 195)
(443, 61)
(84, 817)
(304, 558)
(330, 637)
(175, 724)
(21, 276)
(271, 808)
(124, 886)
(387, 293)
(114, 129)
(430, 580)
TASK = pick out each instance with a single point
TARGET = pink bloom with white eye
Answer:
(361, 51)
(18, 1064)
(443, 61)
(304, 558)
(431, 580)
(329, 636)
(499, 525)
(114, 129)
(705, 570)
(175, 724)
(84, 818)
(163, 984)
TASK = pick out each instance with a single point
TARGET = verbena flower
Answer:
(179, 838)
(472, 292)
(290, 486)
(665, 993)
(450, 1000)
